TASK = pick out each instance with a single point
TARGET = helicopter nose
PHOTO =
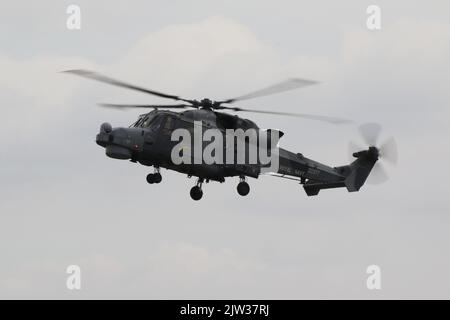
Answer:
(106, 127)
(118, 152)
(105, 136)
(116, 142)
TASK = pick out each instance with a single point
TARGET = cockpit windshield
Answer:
(155, 122)
(147, 121)
(144, 121)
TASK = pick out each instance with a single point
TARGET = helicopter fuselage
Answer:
(148, 141)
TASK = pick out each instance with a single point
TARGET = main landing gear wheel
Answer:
(243, 188)
(196, 191)
(157, 177)
(154, 178)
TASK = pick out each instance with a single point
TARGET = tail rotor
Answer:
(386, 152)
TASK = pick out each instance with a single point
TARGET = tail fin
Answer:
(354, 175)
(359, 170)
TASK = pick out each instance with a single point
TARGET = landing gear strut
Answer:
(196, 191)
(154, 177)
(243, 188)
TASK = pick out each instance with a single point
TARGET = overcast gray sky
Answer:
(63, 202)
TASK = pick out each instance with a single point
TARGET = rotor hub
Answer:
(207, 103)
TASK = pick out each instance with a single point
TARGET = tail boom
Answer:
(315, 176)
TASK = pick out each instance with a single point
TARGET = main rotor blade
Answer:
(287, 85)
(98, 77)
(332, 120)
(162, 106)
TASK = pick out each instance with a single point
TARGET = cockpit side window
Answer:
(156, 123)
(169, 124)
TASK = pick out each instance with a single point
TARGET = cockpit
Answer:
(143, 121)
(155, 121)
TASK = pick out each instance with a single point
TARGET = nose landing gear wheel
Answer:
(196, 193)
(243, 188)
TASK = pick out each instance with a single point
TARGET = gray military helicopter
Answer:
(148, 142)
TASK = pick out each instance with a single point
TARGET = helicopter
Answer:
(149, 141)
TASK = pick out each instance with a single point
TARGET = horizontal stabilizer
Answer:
(312, 188)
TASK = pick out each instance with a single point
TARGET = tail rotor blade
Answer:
(378, 175)
(370, 133)
(389, 152)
